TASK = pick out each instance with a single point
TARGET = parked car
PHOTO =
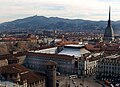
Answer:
(73, 76)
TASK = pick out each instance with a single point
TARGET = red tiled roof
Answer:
(43, 47)
(25, 74)
(13, 68)
(32, 77)
(66, 43)
(11, 56)
(60, 56)
(91, 47)
(19, 54)
(103, 47)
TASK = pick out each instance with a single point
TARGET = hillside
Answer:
(41, 22)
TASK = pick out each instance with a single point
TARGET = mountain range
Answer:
(41, 22)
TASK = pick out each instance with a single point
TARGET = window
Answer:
(76, 64)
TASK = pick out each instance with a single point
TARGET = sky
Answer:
(72, 9)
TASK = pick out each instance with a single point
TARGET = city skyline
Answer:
(72, 9)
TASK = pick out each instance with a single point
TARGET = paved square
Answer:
(79, 82)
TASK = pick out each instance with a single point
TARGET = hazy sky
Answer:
(73, 9)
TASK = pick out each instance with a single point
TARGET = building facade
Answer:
(109, 66)
(65, 64)
(87, 65)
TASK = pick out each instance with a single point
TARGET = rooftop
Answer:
(13, 68)
(70, 52)
(103, 47)
(25, 74)
(43, 47)
(112, 56)
(74, 45)
(32, 77)
(77, 52)
(61, 56)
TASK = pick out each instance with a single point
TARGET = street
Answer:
(78, 82)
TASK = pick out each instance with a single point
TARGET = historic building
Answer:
(72, 59)
(109, 33)
(65, 64)
(17, 75)
(109, 67)
(88, 64)
(51, 73)
(17, 58)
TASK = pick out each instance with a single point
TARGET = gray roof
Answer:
(74, 52)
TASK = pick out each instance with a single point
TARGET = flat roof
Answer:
(74, 45)
(74, 52)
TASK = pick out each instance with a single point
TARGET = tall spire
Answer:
(109, 21)
(109, 33)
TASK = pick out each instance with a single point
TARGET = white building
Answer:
(88, 64)
(109, 66)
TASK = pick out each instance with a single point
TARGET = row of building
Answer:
(14, 74)
(70, 60)
(82, 63)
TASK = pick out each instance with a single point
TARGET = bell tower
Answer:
(51, 73)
